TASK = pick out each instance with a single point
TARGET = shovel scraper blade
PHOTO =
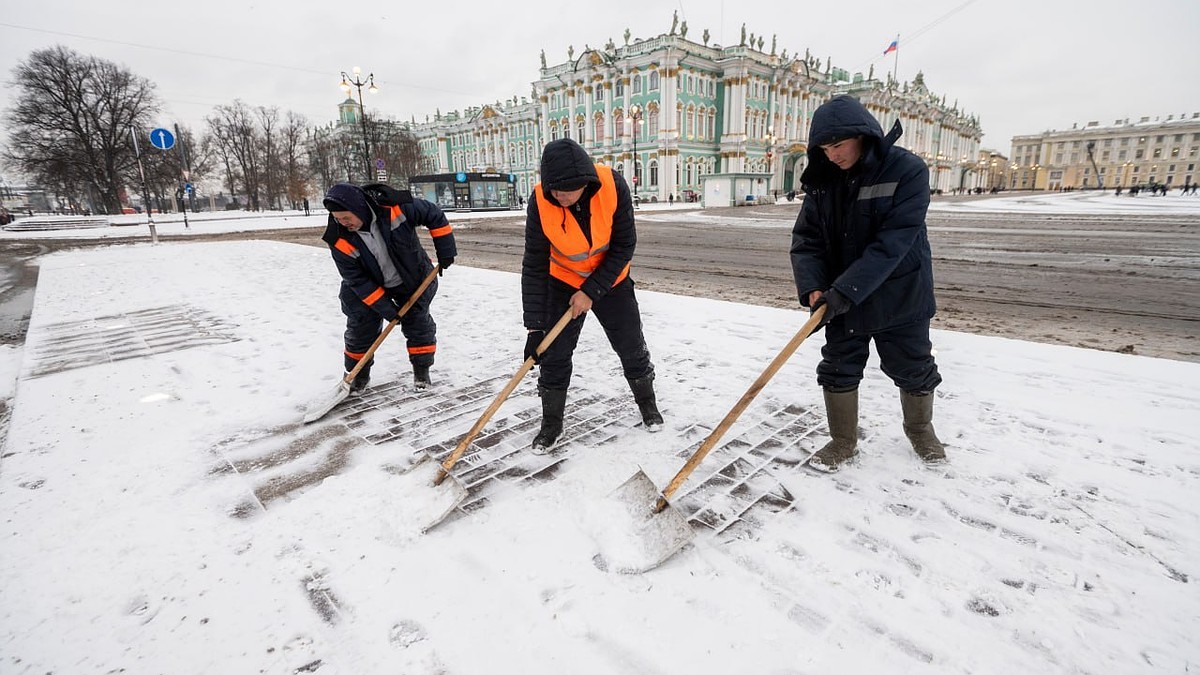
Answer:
(635, 539)
(319, 407)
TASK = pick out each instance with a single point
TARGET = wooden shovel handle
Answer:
(391, 324)
(697, 457)
(500, 398)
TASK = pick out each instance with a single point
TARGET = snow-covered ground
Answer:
(165, 511)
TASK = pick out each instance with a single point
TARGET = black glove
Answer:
(532, 341)
(444, 264)
(386, 195)
(835, 303)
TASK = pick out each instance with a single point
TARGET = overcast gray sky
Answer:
(1022, 66)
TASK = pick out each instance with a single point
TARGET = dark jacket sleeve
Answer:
(620, 248)
(898, 230)
(809, 250)
(535, 270)
(427, 214)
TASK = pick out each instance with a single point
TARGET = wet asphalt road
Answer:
(1117, 283)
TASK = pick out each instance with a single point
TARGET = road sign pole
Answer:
(187, 174)
(145, 189)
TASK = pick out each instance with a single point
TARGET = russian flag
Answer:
(892, 47)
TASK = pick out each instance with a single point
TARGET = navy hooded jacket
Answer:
(862, 231)
(358, 267)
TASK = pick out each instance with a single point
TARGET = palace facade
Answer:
(667, 112)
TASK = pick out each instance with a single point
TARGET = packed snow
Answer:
(166, 511)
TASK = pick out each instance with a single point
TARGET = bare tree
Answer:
(291, 151)
(71, 123)
(397, 147)
(322, 157)
(236, 138)
(272, 174)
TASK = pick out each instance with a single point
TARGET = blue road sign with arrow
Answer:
(162, 139)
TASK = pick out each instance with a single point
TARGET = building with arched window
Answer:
(667, 112)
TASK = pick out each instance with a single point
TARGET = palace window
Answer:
(653, 80)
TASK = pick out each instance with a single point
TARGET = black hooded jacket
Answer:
(357, 264)
(565, 165)
(862, 231)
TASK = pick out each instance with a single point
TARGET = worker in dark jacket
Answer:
(860, 248)
(373, 238)
(579, 240)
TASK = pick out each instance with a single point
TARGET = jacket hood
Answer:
(347, 197)
(842, 117)
(566, 166)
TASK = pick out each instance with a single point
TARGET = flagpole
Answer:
(896, 60)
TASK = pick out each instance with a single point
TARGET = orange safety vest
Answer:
(572, 260)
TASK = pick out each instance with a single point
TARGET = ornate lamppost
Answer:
(358, 83)
(634, 120)
(770, 138)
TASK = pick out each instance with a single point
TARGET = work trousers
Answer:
(905, 356)
(363, 326)
(621, 319)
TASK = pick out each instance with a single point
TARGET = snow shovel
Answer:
(318, 408)
(652, 529)
(442, 471)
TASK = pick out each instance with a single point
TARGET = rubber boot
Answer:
(421, 377)
(918, 426)
(842, 410)
(554, 401)
(643, 395)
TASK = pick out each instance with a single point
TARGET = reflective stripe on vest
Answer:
(572, 261)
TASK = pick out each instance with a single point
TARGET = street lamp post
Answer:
(635, 118)
(358, 83)
(770, 138)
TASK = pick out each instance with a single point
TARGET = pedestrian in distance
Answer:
(861, 249)
(306, 206)
(579, 241)
(373, 238)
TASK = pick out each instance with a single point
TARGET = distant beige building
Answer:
(1148, 151)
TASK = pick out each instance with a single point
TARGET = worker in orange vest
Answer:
(579, 240)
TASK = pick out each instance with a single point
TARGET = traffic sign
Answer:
(379, 164)
(162, 139)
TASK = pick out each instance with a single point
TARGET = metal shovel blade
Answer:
(424, 504)
(635, 539)
(318, 408)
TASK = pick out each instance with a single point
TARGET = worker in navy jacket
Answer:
(860, 248)
(373, 238)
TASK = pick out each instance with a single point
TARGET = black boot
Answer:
(554, 401)
(421, 377)
(359, 384)
(643, 395)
